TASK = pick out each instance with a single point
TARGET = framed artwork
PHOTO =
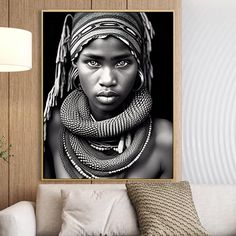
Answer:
(108, 95)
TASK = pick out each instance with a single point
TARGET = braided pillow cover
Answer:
(165, 209)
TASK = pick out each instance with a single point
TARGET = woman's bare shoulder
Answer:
(55, 119)
(53, 127)
(162, 130)
(156, 160)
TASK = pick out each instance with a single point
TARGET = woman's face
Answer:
(107, 72)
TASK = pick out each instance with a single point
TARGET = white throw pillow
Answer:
(97, 212)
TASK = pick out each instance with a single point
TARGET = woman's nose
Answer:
(107, 77)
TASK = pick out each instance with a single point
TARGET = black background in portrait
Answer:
(161, 56)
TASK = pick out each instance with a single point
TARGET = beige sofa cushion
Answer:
(49, 204)
(216, 207)
(97, 212)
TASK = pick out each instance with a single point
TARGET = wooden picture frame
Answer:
(165, 85)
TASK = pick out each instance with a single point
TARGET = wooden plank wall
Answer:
(4, 79)
(20, 93)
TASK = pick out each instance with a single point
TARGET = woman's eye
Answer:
(93, 64)
(121, 64)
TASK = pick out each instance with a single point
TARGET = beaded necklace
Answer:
(79, 157)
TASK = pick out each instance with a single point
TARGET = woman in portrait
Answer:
(97, 116)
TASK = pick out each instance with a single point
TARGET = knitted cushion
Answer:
(165, 209)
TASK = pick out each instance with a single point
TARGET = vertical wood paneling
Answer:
(176, 6)
(154, 5)
(4, 115)
(25, 99)
(4, 132)
(109, 4)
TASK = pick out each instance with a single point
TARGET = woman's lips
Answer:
(107, 100)
(107, 97)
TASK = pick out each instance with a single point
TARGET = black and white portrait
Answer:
(107, 95)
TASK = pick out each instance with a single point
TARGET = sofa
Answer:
(215, 206)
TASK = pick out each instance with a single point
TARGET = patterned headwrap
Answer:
(133, 29)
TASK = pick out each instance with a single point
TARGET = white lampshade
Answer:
(15, 49)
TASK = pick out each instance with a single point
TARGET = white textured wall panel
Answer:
(209, 91)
